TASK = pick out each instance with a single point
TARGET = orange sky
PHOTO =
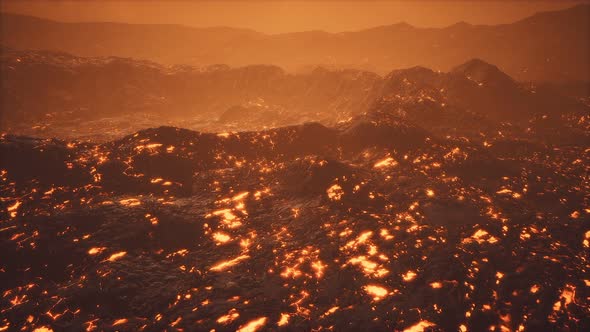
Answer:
(287, 16)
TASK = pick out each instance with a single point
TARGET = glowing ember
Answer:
(409, 276)
(42, 329)
(226, 264)
(284, 320)
(429, 192)
(96, 250)
(220, 237)
(319, 268)
(377, 292)
(120, 321)
(385, 234)
(369, 267)
(151, 146)
(335, 192)
(229, 317)
(387, 162)
(436, 285)
(228, 218)
(481, 236)
(507, 191)
(569, 294)
(13, 209)
(330, 311)
(116, 256)
(292, 272)
(240, 196)
(253, 325)
(420, 326)
(359, 240)
(130, 202)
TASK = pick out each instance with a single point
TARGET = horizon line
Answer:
(403, 23)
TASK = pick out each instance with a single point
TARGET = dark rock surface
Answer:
(376, 224)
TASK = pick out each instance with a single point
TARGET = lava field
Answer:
(370, 225)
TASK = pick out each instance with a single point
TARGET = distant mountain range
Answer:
(39, 84)
(47, 87)
(549, 46)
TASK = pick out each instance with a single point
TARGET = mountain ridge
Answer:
(553, 48)
(575, 9)
(254, 97)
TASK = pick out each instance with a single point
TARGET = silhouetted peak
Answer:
(482, 72)
(20, 18)
(577, 13)
(401, 26)
(412, 71)
(321, 72)
(460, 25)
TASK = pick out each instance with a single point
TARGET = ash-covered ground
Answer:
(376, 224)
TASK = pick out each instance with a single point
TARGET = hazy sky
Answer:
(287, 16)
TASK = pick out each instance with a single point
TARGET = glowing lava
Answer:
(377, 292)
(253, 325)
